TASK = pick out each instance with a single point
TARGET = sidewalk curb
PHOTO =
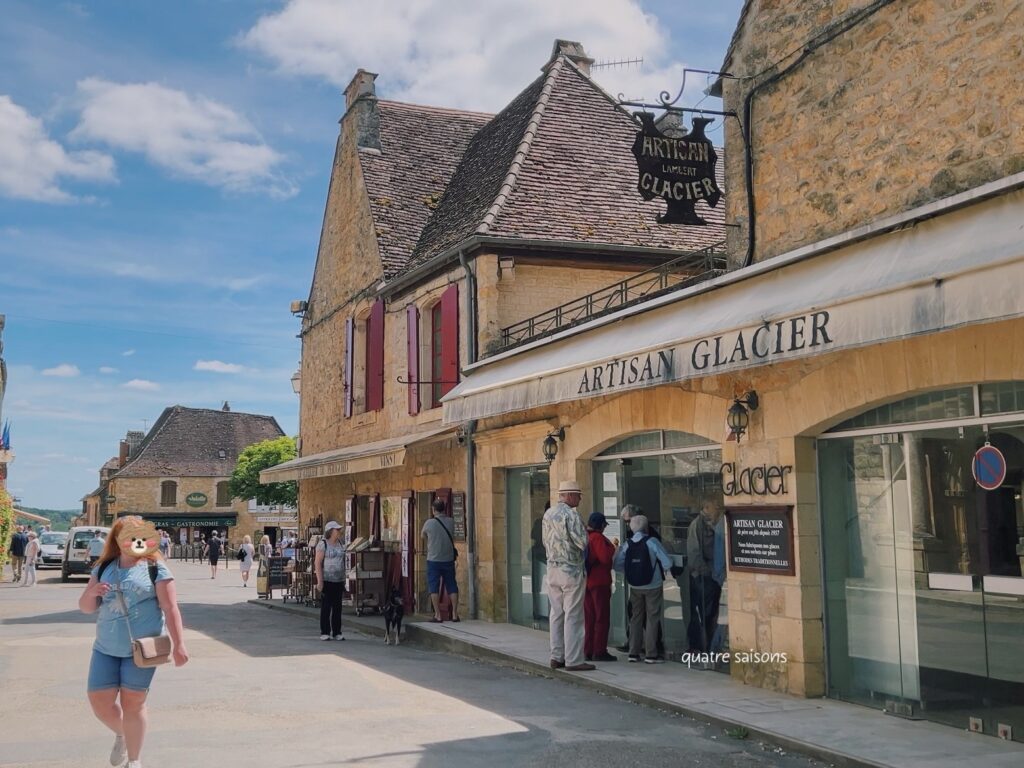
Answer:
(457, 646)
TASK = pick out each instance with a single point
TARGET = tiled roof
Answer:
(556, 164)
(478, 180)
(186, 442)
(420, 148)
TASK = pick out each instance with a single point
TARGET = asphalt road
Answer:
(263, 690)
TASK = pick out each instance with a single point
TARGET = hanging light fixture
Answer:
(550, 444)
(738, 417)
(297, 381)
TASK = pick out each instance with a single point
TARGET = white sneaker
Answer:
(654, 661)
(119, 752)
(339, 636)
(325, 637)
(133, 764)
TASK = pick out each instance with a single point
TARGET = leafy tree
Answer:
(245, 480)
(6, 527)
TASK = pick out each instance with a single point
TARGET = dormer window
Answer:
(222, 453)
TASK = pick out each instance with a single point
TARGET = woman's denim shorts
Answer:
(107, 672)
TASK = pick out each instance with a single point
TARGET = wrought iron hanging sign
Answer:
(679, 170)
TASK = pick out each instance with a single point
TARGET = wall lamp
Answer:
(738, 417)
(550, 444)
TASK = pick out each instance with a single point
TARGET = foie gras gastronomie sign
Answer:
(680, 170)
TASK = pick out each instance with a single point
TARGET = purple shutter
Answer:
(449, 338)
(375, 358)
(350, 340)
(412, 318)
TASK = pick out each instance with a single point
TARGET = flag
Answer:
(5, 437)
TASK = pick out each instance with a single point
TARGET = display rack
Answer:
(302, 588)
(365, 579)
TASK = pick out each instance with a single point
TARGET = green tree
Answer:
(6, 527)
(245, 480)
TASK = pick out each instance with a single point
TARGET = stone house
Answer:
(851, 390)
(445, 231)
(177, 475)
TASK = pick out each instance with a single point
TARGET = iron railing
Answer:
(673, 275)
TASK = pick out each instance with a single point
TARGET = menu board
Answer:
(761, 539)
(459, 515)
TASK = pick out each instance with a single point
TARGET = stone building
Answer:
(177, 474)
(443, 230)
(851, 390)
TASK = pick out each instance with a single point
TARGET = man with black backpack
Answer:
(644, 561)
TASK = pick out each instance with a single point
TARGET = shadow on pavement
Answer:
(64, 617)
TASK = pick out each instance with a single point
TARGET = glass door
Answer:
(528, 495)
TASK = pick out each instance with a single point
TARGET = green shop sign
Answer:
(196, 499)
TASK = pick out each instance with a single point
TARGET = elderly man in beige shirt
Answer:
(564, 540)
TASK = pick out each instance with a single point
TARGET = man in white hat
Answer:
(564, 540)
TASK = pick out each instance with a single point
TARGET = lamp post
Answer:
(297, 381)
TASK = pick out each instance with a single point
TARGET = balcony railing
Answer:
(673, 275)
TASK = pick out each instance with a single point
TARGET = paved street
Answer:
(261, 689)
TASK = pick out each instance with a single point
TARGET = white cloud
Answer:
(142, 385)
(107, 369)
(63, 371)
(128, 353)
(191, 136)
(32, 165)
(462, 53)
(216, 366)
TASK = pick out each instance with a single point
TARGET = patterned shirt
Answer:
(140, 599)
(564, 539)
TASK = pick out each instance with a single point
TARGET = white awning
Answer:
(367, 457)
(959, 268)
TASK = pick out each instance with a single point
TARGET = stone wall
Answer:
(918, 102)
(137, 495)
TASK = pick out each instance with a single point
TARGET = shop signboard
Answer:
(679, 170)
(196, 499)
(459, 515)
(761, 540)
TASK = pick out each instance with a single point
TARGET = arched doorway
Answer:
(668, 474)
(923, 580)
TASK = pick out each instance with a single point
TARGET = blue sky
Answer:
(163, 172)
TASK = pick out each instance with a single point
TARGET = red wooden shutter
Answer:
(449, 338)
(412, 318)
(375, 517)
(375, 358)
(350, 340)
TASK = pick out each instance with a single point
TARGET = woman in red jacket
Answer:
(597, 603)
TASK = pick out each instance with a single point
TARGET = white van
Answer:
(76, 552)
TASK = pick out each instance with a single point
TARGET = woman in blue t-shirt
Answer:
(150, 599)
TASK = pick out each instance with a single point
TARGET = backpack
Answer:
(639, 569)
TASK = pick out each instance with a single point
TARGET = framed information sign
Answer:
(761, 539)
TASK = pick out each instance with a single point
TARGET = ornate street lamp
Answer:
(297, 381)
(550, 444)
(738, 417)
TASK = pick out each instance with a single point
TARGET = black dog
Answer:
(394, 610)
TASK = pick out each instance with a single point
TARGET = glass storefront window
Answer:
(528, 495)
(929, 406)
(923, 573)
(1005, 397)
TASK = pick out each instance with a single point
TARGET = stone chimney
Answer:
(122, 454)
(671, 124)
(134, 438)
(226, 407)
(572, 51)
(361, 109)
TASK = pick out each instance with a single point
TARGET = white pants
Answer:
(565, 595)
(30, 575)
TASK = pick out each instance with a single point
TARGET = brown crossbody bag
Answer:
(146, 651)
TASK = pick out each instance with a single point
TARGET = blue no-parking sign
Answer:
(989, 467)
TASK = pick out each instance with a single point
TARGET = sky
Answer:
(164, 170)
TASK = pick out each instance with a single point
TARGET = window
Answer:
(436, 342)
(441, 347)
(168, 493)
(364, 362)
(223, 495)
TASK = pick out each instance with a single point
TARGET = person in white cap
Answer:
(329, 566)
(564, 541)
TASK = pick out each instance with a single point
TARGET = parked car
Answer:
(51, 546)
(76, 560)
